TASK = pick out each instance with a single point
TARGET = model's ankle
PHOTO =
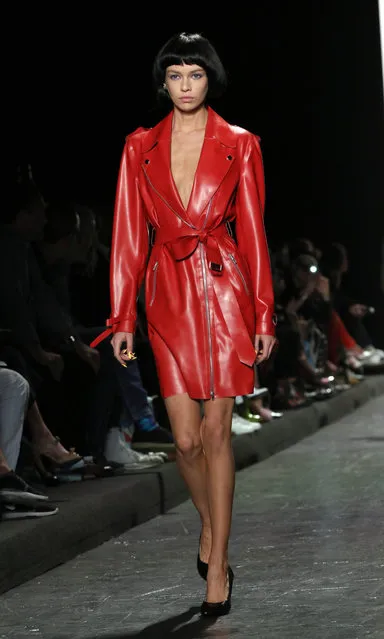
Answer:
(218, 563)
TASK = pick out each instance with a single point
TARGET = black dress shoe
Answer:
(202, 567)
(223, 607)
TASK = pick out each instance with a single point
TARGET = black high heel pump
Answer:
(202, 567)
(223, 607)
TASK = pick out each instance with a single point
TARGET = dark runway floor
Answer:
(307, 548)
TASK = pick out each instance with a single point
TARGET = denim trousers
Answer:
(14, 394)
(116, 389)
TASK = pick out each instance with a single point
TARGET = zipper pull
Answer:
(156, 264)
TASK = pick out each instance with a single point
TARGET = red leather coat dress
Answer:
(206, 295)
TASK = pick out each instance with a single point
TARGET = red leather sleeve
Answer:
(250, 233)
(129, 248)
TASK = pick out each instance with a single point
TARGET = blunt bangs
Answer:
(192, 48)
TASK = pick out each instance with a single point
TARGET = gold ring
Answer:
(124, 351)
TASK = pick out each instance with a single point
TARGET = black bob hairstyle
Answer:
(190, 48)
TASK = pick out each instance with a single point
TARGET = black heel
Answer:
(202, 567)
(223, 607)
(47, 477)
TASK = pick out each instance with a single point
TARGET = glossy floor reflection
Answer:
(307, 548)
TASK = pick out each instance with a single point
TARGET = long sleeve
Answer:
(129, 244)
(53, 321)
(250, 233)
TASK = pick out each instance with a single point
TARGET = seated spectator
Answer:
(90, 301)
(42, 331)
(342, 348)
(306, 305)
(335, 264)
(17, 498)
(302, 314)
(47, 452)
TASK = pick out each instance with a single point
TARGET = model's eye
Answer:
(197, 76)
(174, 76)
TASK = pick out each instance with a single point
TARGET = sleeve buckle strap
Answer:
(111, 321)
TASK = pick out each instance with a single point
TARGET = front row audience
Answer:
(70, 412)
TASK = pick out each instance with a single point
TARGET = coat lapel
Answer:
(156, 164)
(217, 156)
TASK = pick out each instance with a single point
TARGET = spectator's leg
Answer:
(102, 399)
(14, 393)
(133, 393)
(129, 384)
(44, 441)
(338, 338)
(148, 434)
(356, 328)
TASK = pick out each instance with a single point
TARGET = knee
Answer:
(188, 445)
(13, 384)
(22, 386)
(216, 433)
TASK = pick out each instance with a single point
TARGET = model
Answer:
(184, 186)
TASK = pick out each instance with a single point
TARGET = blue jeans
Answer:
(116, 387)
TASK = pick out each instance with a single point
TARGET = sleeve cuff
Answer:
(125, 325)
(266, 325)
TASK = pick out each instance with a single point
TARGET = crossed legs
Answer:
(205, 461)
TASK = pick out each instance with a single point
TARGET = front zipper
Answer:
(237, 267)
(167, 203)
(204, 267)
(154, 269)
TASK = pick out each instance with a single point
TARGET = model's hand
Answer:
(120, 342)
(263, 347)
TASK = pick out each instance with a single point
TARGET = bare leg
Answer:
(43, 439)
(216, 437)
(185, 419)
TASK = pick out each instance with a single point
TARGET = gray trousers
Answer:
(14, 393)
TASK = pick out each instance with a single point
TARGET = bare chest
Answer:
(185, 155)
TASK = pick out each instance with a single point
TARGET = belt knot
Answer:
(184, 245)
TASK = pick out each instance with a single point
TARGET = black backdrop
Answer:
(305, 76)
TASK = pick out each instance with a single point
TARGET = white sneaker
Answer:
(241, 426)
(23, 511)
(159, 457)
(117, 450)
(370, 351)
(373, 360)
(258, 392)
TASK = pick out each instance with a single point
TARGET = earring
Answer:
(164, 86)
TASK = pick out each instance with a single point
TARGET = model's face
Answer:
(187, 85)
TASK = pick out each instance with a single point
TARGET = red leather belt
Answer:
(182, 245)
